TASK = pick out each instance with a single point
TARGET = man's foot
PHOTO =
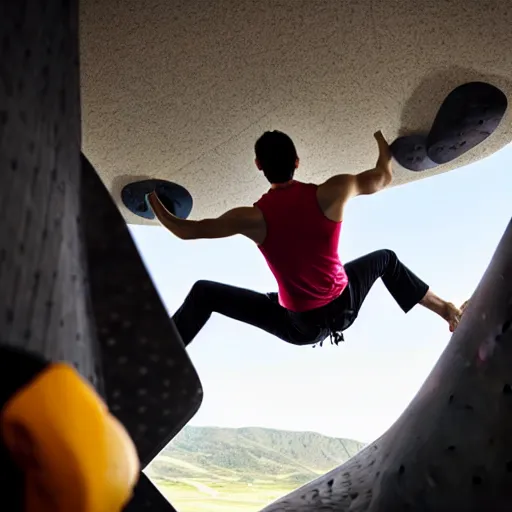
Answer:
(452, 315)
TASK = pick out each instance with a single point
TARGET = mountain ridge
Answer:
(250, 455)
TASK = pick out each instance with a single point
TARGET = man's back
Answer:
(301, 247)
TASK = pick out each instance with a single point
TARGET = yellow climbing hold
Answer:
(75, 455)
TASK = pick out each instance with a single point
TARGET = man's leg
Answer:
(257, 309)
(406, 288)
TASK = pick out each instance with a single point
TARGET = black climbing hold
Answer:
(507, 389)
(411, 153)
(468, 115)
(477, 480)
(174, 197)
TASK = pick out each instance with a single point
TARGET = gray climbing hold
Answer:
(411, 153)
(468, 116)
(174, 197)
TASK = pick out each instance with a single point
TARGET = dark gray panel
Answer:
(66, 256)
(148, 498)
(44, 300)
(151, 385)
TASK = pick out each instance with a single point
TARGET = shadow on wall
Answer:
(421, 108)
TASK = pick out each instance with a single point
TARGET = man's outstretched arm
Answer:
(246, 221)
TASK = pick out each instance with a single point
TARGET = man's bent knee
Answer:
(201, 287)
(390, 254)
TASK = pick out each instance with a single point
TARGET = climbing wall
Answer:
(74, 287)
(44, 300)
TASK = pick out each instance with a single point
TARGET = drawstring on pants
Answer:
(335, 334)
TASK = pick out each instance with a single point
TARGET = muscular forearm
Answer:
(383, 167)
(376, 179)
(383, 176)
(181, 228)
(178, 227)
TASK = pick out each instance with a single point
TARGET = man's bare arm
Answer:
(246, 221)
(336, 191)
(367, 182)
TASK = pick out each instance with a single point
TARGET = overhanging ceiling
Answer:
(181, 89)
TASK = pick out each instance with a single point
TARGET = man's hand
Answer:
(179, 227)
(157, 205)
(385, 156)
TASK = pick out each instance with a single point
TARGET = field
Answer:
(209, 469)
(201, 496)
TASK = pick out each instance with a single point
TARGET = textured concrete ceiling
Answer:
(181, 89)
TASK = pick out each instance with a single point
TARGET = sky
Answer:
(445, 228)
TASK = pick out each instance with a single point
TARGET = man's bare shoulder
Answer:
(338, 183)
(335, 191)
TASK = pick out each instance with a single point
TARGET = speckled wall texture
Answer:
(181, 90)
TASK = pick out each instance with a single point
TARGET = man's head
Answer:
(276, 156)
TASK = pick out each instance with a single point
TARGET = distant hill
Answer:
(250, 455)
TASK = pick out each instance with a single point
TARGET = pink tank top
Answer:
(301, 247)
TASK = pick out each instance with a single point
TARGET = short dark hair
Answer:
(277, 156)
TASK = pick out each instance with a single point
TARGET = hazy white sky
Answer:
(445, 228)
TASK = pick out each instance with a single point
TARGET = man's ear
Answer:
(297, 162)
(258, 165)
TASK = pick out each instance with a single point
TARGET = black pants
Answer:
(310, 327)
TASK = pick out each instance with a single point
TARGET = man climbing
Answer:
(297, 227)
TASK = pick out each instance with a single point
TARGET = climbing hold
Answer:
(468, 115)
(411, 153)
(174, 197)
(73, 453)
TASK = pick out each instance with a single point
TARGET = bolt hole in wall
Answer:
(270, 409)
